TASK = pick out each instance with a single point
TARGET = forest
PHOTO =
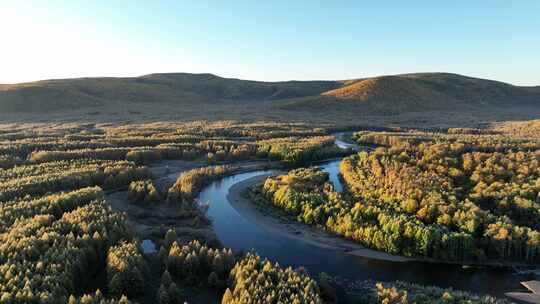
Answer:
(57, 230)
(402, 292)
(435, 196)
(455, 196)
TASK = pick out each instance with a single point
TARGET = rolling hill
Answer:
(422, 91)
(189, 95)
(173, 88)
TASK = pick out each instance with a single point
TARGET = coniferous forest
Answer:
(269, 152)
(464, 196)
(451, 198)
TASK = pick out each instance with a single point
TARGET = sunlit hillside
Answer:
(427, 99)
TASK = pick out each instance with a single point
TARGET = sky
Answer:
(270, 40)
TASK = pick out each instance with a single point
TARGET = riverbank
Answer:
(271, 222)
(151, 221)
(239, 200)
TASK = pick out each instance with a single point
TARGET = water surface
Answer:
(239, 233)
(332, 168)
(148, 246)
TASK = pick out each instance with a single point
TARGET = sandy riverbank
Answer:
(271, 223)
(238, 199)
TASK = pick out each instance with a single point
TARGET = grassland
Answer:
(417, 100)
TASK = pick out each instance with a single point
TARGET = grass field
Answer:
(422, 100)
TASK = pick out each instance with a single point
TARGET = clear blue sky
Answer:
(270, 40)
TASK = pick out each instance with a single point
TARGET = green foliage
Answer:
(43, 257)
(144, 192)
(391, 295)
(57, 233)
(296, 151)
(55, 204)
(307, 195)
(434, 200)
(259, 281)
(194, 262)
(125, 269)
(480, 193)
(300, 189)
(32, 180)
(169, 292)
(402, 293)
(190, 183)
(97, 298)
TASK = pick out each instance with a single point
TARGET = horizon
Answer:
(263, 42)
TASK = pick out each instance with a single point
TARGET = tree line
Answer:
(402, 292)
(255, 280)
(109, 175)
(403, 227)
(297, 151)
(491, 198)
(144, 144)
(45, 260)
(190, 183)
(125, 269)
(144, 191)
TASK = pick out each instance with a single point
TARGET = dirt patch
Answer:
(151, 221)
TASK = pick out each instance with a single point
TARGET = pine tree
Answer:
(123, 300)
(162, 254)
(72, 300)
(175, 294)
(136, 281)
(116, 284)
(213, 280)
(166, 279)
(217, 265)
(227, 297)
(170, 237)
(163, 295)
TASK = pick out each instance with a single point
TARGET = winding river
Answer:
(240, 233)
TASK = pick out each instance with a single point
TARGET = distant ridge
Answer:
(422, 91)
(176, 88)
(433, 88)
(384, 94)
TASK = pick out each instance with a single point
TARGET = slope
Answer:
(176, 88)
(420, 92)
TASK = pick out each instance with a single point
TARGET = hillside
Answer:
(414, 98)
(176, 88)
(422, 91)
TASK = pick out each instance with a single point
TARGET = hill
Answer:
(420, 92)
(181, 96)
(176, 88)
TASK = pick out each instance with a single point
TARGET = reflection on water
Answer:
(343, 144)
(148, 246)
(238, 233)
(333, 171)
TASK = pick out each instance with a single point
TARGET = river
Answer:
(239, 233)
